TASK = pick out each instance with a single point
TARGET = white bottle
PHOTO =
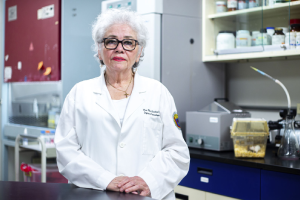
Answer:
(293, 36)
(243, 39)
(298, 40)
(263, 38)
(253, 38)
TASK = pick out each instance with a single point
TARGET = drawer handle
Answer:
(205, 171)
(181, 196)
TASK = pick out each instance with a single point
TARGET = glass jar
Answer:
(242, 4)
(243, 39)
(263, 38)
(232, 5)
(278, 37)
(221, 7)
(225, 40)
(295, 27)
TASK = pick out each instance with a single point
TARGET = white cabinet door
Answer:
(211, 196)
(185, 193)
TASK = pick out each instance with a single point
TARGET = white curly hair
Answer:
(119, 16)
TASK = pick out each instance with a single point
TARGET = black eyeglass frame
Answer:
(120, 41)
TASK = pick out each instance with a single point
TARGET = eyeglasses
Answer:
(127, 44)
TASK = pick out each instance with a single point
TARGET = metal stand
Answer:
(43, 156)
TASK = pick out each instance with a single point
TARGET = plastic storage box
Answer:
(32, 173)
(249, 137)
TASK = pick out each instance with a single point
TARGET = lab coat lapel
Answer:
(103, 99)
(137, 97)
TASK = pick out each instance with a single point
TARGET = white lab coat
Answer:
(92, 148)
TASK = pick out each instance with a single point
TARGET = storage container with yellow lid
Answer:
(249, 137)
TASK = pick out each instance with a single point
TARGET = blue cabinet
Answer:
(277, 185)
(224, 179)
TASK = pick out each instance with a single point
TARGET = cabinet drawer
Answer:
(277, 185)
(184, 193)
(224, 179)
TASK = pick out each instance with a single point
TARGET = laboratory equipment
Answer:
(289, 147)
(209, 128)
(249, 137)
(32, 95)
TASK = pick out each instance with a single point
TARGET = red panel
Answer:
(30, 40)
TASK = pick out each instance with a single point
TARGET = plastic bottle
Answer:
(243, 39)
(232, 5)
(263, 38)
(253, 38)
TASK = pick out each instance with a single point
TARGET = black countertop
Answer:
(269, 162)
(58, 191)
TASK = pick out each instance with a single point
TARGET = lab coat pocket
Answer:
(152, 138)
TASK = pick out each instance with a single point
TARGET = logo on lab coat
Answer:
(176, 120)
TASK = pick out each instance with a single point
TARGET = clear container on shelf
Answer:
(253, 38)
(242, 4)
(252, 4)
(263, 38)
(225, 40)
(243, 39)
(249, 137)
(221, 7)
(270, 31)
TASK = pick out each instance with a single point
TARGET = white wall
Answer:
(245, 87)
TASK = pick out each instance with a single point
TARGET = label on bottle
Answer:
(232, 4)
(262, 39)
(241, 42)
(278, 39)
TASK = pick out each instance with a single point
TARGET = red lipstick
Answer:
(118, 59)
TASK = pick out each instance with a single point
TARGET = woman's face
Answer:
(119, 60)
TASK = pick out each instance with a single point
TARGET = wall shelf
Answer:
(254, 12)
(252, 19)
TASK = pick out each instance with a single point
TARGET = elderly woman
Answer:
(120, 131)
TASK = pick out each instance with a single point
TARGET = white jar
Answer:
(242, 4)
(253, 38)
(225, 40)
(271, 31)
(221, 6)
(298, 41)
(243, 39)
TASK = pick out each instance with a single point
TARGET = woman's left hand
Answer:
(134, 185)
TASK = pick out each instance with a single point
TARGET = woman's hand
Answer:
(134, 185)
(113, 185)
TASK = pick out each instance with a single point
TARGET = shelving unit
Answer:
(247, 19)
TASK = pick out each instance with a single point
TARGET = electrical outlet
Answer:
(46, 12)
(298, 109)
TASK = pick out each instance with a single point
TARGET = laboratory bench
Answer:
(58, 191)
(220, 173)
